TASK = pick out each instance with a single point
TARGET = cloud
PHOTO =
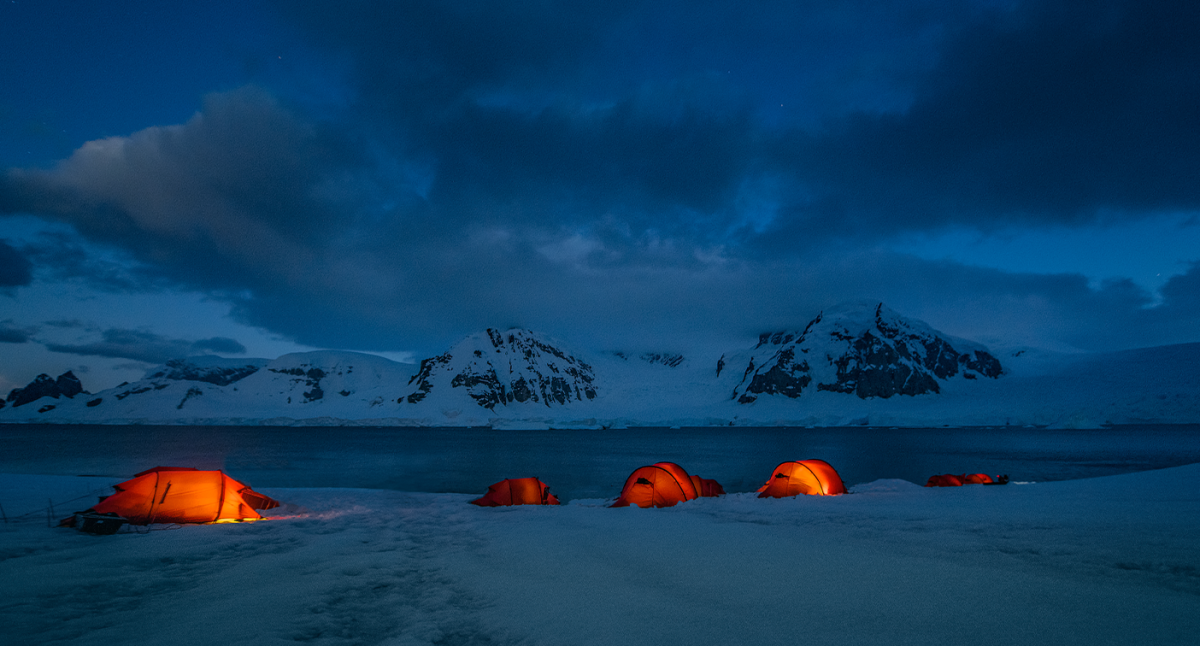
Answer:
(1055, 112)
(9, 333)
(147, 347)
(610, 174)
(66, 255)
(219, 344)
(15, 268)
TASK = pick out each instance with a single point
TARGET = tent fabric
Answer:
(707, 488)
(808, 477)
(663, 484)
(183, 495)
(951, 480)
(152, 470)
(517, 491)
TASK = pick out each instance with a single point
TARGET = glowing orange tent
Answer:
(808, 477)
(183, 495)
(944, 480)
(517, 491)
(663, 484)
(951, 480)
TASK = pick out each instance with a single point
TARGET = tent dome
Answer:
(517, 491)
(808, 477)
(663, 484)
(183, 495)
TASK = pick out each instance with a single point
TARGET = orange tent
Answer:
(517, 491)
(663, 484)
(945, 480)
(808, 477)
(951, 480)
(183, 495)
(707, 488)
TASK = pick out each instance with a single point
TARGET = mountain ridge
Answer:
(857, 363)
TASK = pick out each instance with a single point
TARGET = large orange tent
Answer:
(808, 477)
(663, 484)
(183, 495)
(517, 491)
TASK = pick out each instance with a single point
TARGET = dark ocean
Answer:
(584, 463)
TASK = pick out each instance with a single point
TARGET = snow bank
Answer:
(1099, 561)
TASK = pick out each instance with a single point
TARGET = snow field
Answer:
(1098, 561)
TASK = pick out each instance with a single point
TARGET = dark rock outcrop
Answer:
(311, 377)
(67, 385)
(184, 370)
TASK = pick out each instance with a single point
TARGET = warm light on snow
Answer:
(1099, 561)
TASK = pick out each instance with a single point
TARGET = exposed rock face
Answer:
(860, 350)
(67, 385)
(503, 368)
(184, 370)
(311, 377)
(668, 359)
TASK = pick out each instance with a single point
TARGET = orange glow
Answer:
(517, 491)
(664, 484)
(807, 477)
(951, 480)
(172, 495)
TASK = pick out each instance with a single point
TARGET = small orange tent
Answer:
(707, 488)
(951, 480)
(517, 491)
(663, 484)
(945, 480)
(183, 495)
(808, 477)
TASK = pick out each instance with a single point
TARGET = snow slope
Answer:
(857, 364)
(1100, 561)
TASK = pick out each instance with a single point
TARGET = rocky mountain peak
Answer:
(501, 368)
(861, 348)
(66, 385)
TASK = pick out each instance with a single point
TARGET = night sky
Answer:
(249, 179)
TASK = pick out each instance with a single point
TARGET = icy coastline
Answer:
(1103, 560)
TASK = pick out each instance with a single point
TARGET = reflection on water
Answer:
(584, 464)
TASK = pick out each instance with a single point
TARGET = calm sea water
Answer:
(584, 463)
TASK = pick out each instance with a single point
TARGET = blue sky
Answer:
(255, 178)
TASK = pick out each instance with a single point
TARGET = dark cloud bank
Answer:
(606, 172)
(140, 345)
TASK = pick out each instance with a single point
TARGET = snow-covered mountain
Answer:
(855, 364)
(504, 368)
(861, 348)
